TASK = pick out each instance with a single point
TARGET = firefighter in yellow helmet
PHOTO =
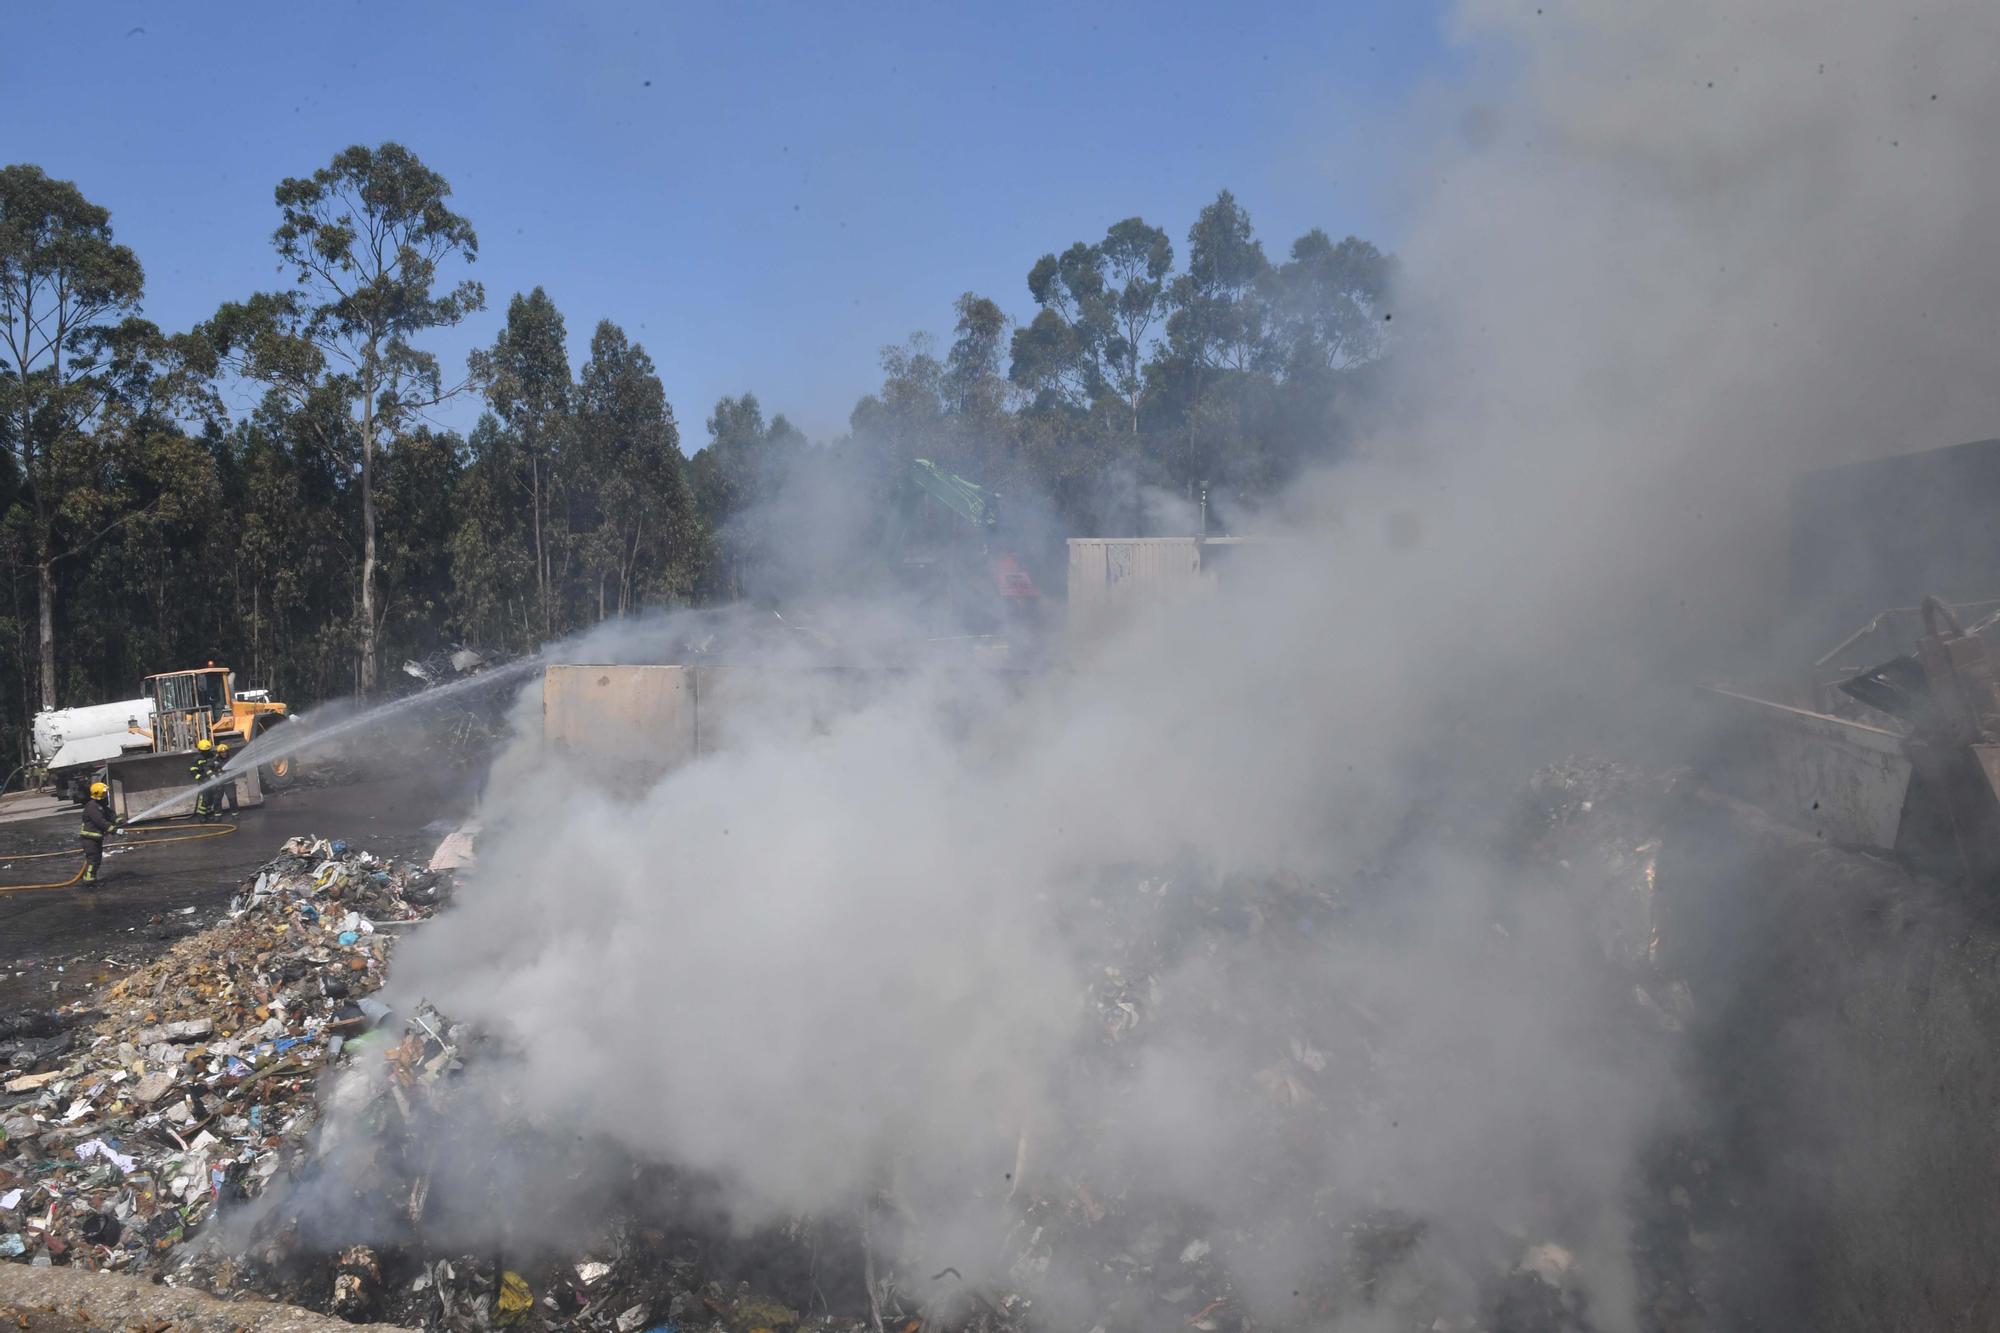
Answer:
(204, 767)
(227, 791)
(97, 822)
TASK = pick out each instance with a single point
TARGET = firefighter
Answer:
(227, 791)
(201, 770)
(97, 822)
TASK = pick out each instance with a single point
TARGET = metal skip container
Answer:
(1842, 780)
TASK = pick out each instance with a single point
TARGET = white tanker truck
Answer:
(74, 743)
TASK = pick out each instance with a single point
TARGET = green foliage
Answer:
(1099, 307)
(574, 505)
(331, 528)
(415, 497)
(89, 392)
(644, 540)
(364, 238)
(526, 378)
(736, 482)
(494, 570)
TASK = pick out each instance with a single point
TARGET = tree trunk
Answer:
(47, 580)
(541, 559)
(628, 565)
(23, 650)
(367, 655)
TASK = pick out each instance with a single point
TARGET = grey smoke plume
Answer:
(1692, 246)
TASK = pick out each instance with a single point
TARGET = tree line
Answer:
(333, 528)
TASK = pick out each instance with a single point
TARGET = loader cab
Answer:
(204, 689)
(212, 693)
(189, 706)
(203, 704)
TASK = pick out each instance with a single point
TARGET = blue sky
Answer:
(762, 194)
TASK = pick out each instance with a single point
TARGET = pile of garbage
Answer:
(200, 1090)
(1074, 1215)
(196, 1085)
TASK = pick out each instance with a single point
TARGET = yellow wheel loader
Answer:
(190, 706)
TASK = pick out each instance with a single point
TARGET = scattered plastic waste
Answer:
(195, 1087)
(99, 1148)
(515, 1299)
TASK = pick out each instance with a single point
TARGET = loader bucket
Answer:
(140, 782)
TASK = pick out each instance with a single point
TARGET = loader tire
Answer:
(280, 772)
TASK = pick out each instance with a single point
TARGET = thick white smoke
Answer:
(1679, 249)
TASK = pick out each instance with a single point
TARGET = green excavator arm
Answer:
(973, 503)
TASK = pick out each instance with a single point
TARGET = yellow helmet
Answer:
(204, 745)
(98, 791)
(222, 749)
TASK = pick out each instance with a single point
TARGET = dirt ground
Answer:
(67, 1300)
(56, 945)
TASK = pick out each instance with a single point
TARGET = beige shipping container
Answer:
(1111, 578)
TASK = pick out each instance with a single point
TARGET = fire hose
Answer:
(192, 833)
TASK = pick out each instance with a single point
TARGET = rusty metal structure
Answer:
(1887, 742)
(1902, 757)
